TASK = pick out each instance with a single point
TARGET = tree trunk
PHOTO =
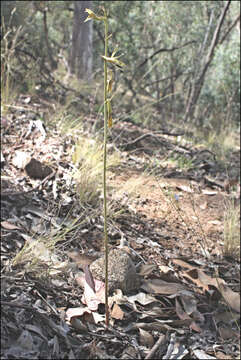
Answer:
(199, 81)
(81, 52)
(53, 63)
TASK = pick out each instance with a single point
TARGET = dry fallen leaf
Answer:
(203, 206)
(89, 277)
(200, 354)
(202, 280)
(7, 225)
(146, 269)
(142, 298)
(184, 316)
(76, 312)
(158, 286)
(184, 264)
(146, 339)
(81, 259)
(189, 303)
(209, 192)
(231, 297)
(228, 332)
(92, 298)
(117, 313)
(185, 188)
(20, 159)
(215, 222)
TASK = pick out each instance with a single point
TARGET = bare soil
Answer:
(171, 216)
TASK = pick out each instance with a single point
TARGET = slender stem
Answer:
(104, 177)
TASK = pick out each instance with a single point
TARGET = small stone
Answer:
(36, 170)
(121, 269)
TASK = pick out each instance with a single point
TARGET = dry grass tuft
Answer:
(232, 230)
(88, 159)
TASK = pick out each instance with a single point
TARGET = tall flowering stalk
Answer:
(108, 81)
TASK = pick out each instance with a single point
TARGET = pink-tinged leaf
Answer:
(100, 290)
(98, 317)
(88, 277)
(89, 298)
(80, 281)
(7, 225)
(94, 294)
(117, 313)
(78, 317)
(194, 326)
(93, 299)
(76, 312)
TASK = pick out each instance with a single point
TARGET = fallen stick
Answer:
(159, 343)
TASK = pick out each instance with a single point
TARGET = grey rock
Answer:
(121, 269)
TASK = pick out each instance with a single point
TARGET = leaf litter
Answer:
(182, 303)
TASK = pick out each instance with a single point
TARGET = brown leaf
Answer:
(184, 316)
(184, 264)
(222, 356)
(227, 333)
(194, 326)
(203, 280)
(158, 286)
(146, 339)
(225, 317)
(117, 313)
(180, 312)
(89, 278)
(231, 297)
(146, 269)
(81, 259)
(78, 324)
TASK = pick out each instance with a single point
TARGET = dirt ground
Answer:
(171, 216)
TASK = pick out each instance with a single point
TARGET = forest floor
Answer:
(167, 200)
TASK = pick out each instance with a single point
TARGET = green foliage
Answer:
(31, 66)
(178, 30)
(10, 40)
(13, 13)
(164, 48)
(222, 90)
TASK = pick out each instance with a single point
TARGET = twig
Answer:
(127, 146)
(10, 193)
(160, 342)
